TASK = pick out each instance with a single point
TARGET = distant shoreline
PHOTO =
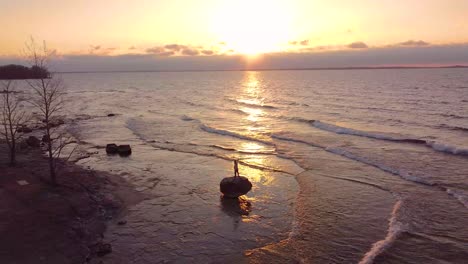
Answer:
(288, 69)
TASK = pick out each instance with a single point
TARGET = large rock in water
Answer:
(233, 187)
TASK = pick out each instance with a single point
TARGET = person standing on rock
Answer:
(236, 169)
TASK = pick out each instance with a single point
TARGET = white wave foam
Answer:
(403, 174)
(251, 104)
(460, 195)
(349, 131)
(231, 134)
(395, 228)
(441, 147)
(447, 148)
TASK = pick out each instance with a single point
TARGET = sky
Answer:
(220, 34)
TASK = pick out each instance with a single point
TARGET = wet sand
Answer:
(184, 219)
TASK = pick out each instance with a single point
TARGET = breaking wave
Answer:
(249, 104)
(461, 196)
(441, 147)
(395, 228)
(403, 174)
(232, 134)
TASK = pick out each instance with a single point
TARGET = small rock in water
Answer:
(124, 150)
(122, 222)
(103, 249)
(233, 187)
(111, 149)
(109, 115)
(45, 138)
(33, 141)
(24, 129)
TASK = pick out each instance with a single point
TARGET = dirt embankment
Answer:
(65, 224)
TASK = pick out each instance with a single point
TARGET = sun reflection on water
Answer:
(252, 101)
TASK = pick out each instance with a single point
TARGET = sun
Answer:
(253, 27)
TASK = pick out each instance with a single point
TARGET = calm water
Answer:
(348, 166)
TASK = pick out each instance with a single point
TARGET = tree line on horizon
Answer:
(20, 72)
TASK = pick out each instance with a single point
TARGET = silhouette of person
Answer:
(236, 169)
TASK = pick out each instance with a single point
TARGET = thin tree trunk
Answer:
(53, 176)
(13, 153)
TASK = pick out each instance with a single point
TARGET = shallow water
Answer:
(348, 166)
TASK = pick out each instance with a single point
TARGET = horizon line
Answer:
(287, 69)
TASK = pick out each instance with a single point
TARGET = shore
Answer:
(64, 224)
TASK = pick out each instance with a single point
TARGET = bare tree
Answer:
(48, 98)
(12, 118)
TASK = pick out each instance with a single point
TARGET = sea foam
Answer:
(395, 228)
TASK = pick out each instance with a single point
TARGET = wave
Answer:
(441, 147)
(461, 196)
(241, 102)
(455, 115)
(242, 151)
(447, 148)
(395, 228)
(403, 174)
(232, 134)
(187, 118)
(349, 131)
(465, 129)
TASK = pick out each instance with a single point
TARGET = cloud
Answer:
(413, 43)
(95, 47)
(190, 52)
(207, 52)
(132, 48)
(175, 47)
(302, 42)
(357, 45)
(155, 50)
(456, 54)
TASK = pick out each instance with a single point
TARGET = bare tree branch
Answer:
(12, 118)
(48, 93)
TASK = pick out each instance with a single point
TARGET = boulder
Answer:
(124, 150)
(24, 129)
(103, 249)
(45, 138)
(233, 187)
(112, 149)
(33, 141)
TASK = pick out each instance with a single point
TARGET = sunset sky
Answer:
(152, 32)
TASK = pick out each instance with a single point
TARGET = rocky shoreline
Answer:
(64, 224)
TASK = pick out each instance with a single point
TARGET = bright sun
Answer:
(253, 27)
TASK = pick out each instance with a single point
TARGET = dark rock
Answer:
(45, 138)
(124, 150)
(122, 222)
(233, 187)
(33, 141)
(24, 129)
(112, 149)
(103, 249)
(109, 115)
(57, 122)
